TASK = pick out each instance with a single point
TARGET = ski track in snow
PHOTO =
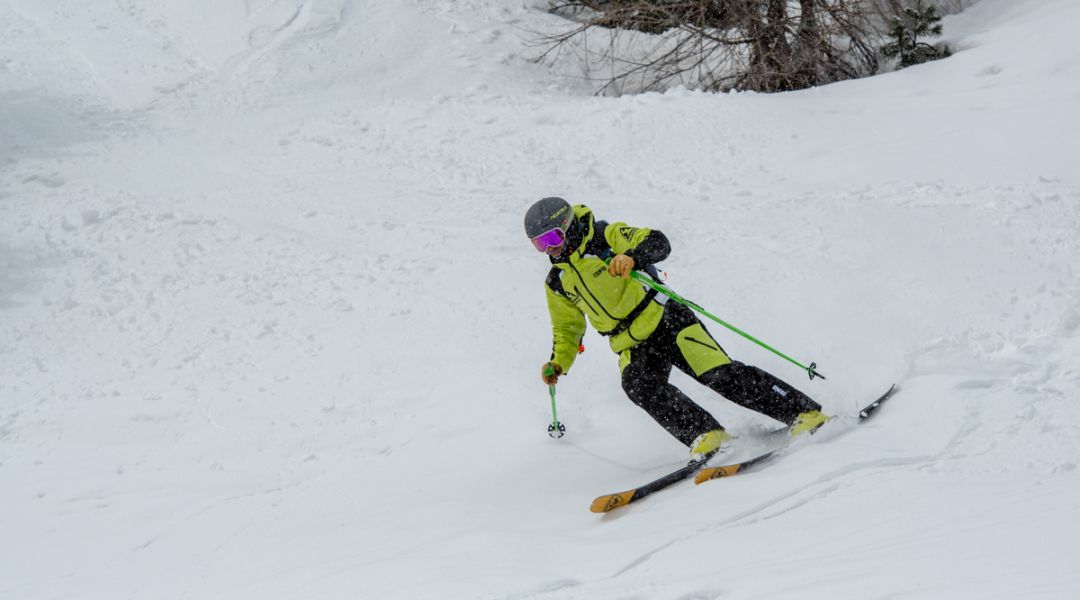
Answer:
(258, 259)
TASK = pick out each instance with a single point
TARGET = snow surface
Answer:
(269, 327)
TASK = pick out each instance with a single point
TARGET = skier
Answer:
(648, 333)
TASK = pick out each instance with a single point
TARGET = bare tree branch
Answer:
(761, 45)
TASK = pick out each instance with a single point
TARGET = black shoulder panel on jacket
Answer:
(554, 281)
(598, 245)
(653, 249)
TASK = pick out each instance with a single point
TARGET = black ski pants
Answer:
(681, 340)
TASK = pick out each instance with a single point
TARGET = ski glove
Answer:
(550, 373)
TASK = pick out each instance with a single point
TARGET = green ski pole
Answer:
(643, 278)
(556, 430)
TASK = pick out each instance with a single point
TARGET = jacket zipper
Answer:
(585, 300)
(584, 285)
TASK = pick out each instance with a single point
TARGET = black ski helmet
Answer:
(547, 214)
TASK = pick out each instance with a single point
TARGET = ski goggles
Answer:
(549, 239)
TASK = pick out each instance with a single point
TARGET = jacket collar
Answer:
(583, 228)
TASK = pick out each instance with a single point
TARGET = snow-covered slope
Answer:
(269, 327)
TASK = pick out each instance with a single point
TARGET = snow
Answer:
(269, 327)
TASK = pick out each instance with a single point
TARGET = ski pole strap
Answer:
(810, 370)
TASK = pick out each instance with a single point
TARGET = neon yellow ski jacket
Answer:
(579, 287)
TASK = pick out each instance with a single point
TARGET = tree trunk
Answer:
(770, 52)
(808, 54)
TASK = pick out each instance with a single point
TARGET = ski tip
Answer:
(869, 409)
(610, 502)
(710, 473)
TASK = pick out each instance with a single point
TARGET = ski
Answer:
(702, 473)
(609, 502)
(706, 474)
(711, 473)
(865, 413)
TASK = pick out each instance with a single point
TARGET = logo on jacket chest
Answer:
(598, 271)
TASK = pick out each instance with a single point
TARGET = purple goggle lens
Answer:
(549, 239)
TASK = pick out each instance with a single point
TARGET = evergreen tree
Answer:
(919, 20)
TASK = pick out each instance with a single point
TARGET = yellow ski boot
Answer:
(706, 443)
(808, 421)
